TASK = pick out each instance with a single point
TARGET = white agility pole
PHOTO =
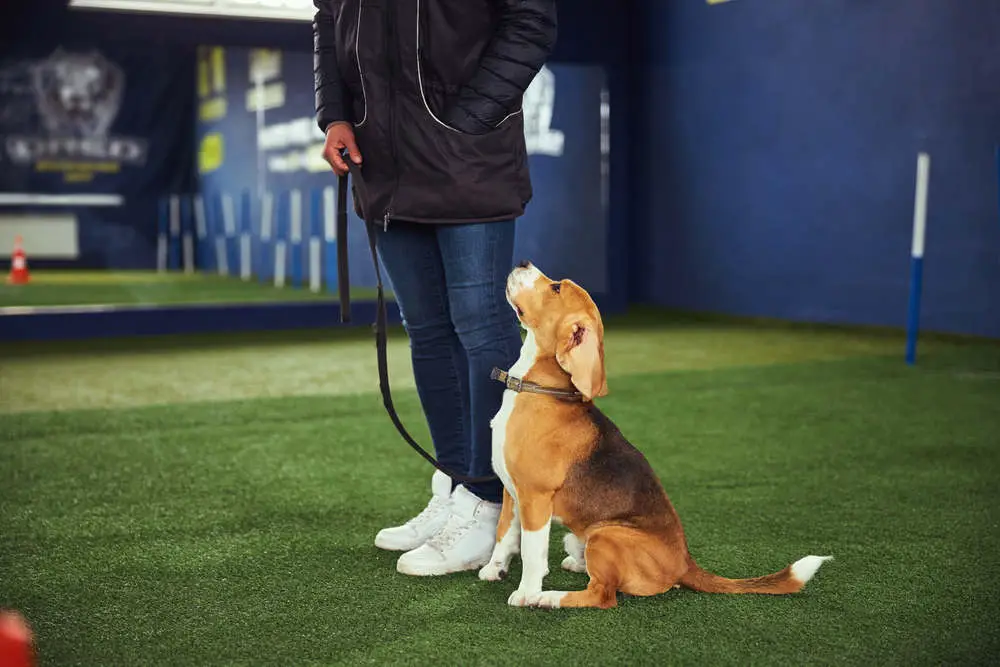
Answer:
(315, 254)
(266, 224)
(295, 237)
(221, 256)
(917, 256)
(329, 214)
(245, 256)
(228, 216)
(279, 264)
(229, 230)
(330, 235)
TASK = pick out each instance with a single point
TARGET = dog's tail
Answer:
(789, 580)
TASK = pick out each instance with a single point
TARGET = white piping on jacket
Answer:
(423, 97)
(357, 56)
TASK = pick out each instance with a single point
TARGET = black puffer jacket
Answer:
(434, 88)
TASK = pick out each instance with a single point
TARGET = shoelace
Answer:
(453, 530)
(433, 507)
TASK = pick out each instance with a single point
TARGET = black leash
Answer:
(381, 322)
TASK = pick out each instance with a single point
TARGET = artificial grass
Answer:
(124, 372)
(50, 288)
(240, 532)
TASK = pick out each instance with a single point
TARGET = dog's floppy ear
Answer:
(580, 352)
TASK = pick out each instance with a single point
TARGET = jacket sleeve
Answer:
(331, 99)
(522, 43)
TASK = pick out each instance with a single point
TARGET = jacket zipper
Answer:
(392, 57)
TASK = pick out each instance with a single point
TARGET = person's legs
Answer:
(476, 259)
(412, 261)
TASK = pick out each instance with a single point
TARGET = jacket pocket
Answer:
(471, 176)
(450, 40)
(359, 39)
(437, 98)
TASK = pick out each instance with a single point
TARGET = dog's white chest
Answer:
(499, 423)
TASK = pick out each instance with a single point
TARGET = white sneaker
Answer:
(420, 528)
(465, 543)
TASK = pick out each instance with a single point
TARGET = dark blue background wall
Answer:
(775, 155)
(763, 151)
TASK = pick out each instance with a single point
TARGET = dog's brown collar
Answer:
(517, 384)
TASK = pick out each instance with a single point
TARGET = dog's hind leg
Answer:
(575, 560)
(624, 559)
(601, 556)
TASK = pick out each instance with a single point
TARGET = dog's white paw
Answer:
(573, 565)
(551, 599)
(493, 571)
(521, 598)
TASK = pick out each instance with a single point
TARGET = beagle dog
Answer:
(561, 459)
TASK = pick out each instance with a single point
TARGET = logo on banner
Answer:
(537, 105)
(77, 97)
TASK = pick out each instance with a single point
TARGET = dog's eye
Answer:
(556, 287)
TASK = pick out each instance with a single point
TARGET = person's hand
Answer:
(339, 136)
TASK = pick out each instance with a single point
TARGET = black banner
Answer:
(95, 121)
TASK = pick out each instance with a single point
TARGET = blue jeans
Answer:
(449, 283)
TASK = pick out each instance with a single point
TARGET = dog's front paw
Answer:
(573, 565)
(521, 598)
(551, 599)
(493, 571)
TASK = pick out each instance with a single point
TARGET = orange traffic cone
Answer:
(16, 645)
(18, 265)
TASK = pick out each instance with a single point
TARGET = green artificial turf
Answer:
(147, 288)
(234, 529)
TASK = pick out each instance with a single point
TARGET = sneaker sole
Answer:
(390, 547)
(442, 570)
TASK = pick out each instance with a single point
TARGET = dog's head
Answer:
(565, 323)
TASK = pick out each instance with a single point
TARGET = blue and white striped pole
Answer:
(217, 213)
(246, 263)
(917, 256)
(295, 238)
(265, 255)
(229, 240)
(279, 239)
(315, 240)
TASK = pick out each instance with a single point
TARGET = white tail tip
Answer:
(804, 568)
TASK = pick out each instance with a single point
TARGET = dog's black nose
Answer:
(523, 264)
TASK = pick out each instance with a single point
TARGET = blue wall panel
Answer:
(777, 144)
